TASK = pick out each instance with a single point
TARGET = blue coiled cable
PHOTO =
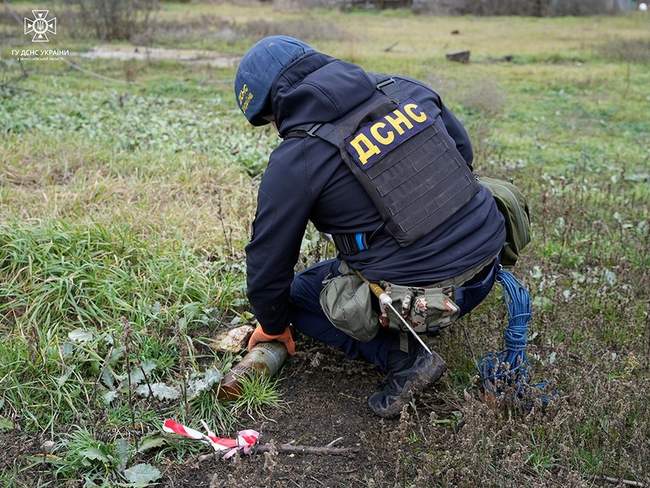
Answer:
(509, 367)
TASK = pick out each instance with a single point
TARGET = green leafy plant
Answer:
(103, 462)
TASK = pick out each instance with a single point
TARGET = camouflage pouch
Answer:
(346, 300)
(426, 309)
(514, 207)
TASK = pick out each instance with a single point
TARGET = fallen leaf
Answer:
(149, 443)
(161, 391)
(142, 474)
(94, 454)
(80, 335)
(109, 396)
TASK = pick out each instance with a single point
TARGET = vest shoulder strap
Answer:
(301, 131)
(388, 87)
(329, 132)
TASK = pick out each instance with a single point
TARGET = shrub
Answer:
(305, 28)
(115, 19)
(540, 8)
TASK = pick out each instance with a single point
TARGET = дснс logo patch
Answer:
(40, 26)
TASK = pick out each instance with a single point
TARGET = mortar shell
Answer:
(266, 358)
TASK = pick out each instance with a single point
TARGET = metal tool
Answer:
(386, 301)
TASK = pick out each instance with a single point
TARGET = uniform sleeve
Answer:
(283, 209)
(458, 134)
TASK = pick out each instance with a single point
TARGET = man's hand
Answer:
(285, 338)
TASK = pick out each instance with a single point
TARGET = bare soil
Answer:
(16, 446)
(143, 53)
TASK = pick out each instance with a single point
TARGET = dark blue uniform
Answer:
(307, 180)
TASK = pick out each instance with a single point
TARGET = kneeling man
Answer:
(379, 163)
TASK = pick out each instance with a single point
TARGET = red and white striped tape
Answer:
(244, 442)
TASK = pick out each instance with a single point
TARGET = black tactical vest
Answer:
(405, 160)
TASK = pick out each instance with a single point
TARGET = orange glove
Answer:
(285, 338)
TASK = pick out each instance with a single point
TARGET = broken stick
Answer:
(291, 449)
(621, 481)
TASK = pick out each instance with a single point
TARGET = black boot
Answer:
(407, 375)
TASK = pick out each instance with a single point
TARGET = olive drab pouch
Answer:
(346, 301)
(514, 207)
(426, 309)
(405, 160)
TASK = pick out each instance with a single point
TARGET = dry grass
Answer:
(305, 28)
(626, 50)
(207, 204)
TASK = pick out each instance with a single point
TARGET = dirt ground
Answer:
(13, 445)
(325, 397)
(144, 53)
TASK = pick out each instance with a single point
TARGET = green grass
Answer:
(129, 203)
(258, 392)
(58, 280)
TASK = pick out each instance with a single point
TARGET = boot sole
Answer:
(423, 380)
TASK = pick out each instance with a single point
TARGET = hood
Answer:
(257, 71)
(317, 88)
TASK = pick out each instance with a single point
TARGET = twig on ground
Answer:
(101, 372)
(469, 344)
(290, 449)
(417, 416)
(621, 481)
(391, 47)
(335, 441)
(127, 350)
(227, 232)
(146, 380)
(317, 480)
(97, 75)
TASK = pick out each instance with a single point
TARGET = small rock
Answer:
(232, 340)
(48, 446)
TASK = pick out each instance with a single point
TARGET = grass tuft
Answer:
(258, 393)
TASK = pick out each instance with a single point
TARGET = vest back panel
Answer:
(406, 162)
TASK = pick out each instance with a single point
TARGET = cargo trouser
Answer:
(308, 318)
